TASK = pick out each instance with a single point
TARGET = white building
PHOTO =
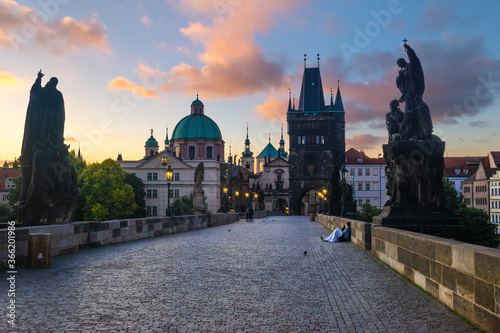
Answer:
(367, 176)
(494, 183)
(195, 139)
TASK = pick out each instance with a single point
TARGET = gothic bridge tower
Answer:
(316, 140)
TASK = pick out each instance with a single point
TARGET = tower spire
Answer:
(331, 98)
(339, 106)
(167, 144)
(289, 99)
(305, 59)
(318, 60)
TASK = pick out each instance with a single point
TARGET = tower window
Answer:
(247, 165)
(192, 152)
(322, 140)
(209, 153)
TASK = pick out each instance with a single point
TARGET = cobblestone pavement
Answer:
(243, 277)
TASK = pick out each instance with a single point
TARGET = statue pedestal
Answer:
(425, 220)
(198, 207)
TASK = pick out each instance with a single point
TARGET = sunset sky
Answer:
(126, 66)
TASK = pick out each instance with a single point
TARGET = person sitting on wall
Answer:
(339, 235)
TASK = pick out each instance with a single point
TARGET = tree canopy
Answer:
(104, 193)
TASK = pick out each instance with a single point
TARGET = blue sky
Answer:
(125, 67)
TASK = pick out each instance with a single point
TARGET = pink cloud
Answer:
(272, 108)
(232, 63)
(365, 141)
(146, 21)
(121, 83)
(21, 26)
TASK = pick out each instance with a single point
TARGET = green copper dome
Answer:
(151, 142)
(197, 102)
(196, 126)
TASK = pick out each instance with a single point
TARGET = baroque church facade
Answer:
(195, 139)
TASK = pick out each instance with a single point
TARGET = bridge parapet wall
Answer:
(76, 236)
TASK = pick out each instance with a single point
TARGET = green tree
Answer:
(104, 193)
(481, 231)
(6, 213)
(79, 164)
(453, 200)
(183, 205)
(367, 212)
(14, 195)
(139, 193)
(16, 164)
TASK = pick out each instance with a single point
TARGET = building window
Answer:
(299, 141)
(152, 176)
(176, 193)
(360, 186)
(176, 176)
(148, 193)
(375, 186)
(367, 185)
(151, 210)
(209, 153)
(317, 139)
(360, 172)
(4, 197)
(466, 189)
(303, 140)
(375, 172)
(352, 172)
(467, 201)
(367, 172)
(247, 165)
(155, 176)
(322, 140)
(192, 151)
(367, 200)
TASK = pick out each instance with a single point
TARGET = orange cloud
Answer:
(232, 63)
(21, 26)
(272, 108)
(121, 83)
(8, 80)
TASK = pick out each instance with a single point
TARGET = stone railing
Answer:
(465, 277)
(75, 236)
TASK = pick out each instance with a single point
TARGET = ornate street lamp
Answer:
(256, 196)
(225, 199)
(168, 175)
(249, 200)
(237, 195)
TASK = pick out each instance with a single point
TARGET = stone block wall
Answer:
(76, 236)
(463, 276)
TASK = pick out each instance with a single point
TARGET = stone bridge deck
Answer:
(243, 277)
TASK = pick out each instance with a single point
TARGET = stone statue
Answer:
(410, 79)
(198, 192)
(199, 172)
(415, 160)
(49, 188)
(393, 119)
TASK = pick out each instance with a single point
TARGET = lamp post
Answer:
(380, 186)
(225, 199)
(249, 201)
(237, 197)
(343, 174)
(256, 196)
(168, 175)
(325, 199)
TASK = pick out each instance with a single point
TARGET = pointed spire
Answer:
(331, 99)
(339, 106)
(293, 102)
(247, 152)
(318, 60)
(167, 143)
(289, 99)
(269, 137)
(79, 155)
(305, 59)
(151, 131)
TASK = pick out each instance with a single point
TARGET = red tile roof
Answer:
(352, 156)
(6, 174)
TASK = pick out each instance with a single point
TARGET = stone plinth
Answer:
(198, 207)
